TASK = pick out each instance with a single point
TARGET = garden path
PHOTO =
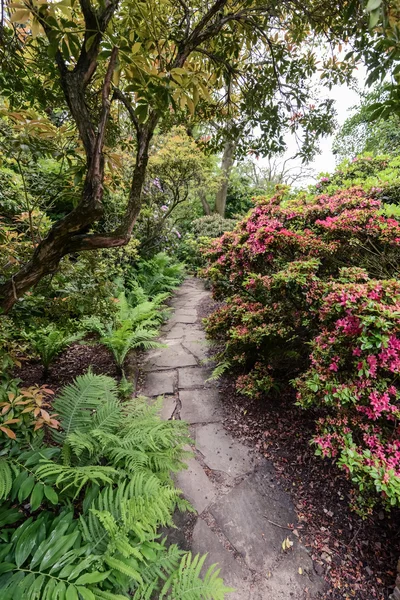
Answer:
(242, 512)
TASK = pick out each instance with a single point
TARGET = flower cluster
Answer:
(310, 294)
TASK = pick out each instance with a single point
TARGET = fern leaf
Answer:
(123, 567)
(77, 401)
(6, 479)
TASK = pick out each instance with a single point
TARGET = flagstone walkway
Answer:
(242, 512)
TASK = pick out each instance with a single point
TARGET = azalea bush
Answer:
(298, 279)
(353, 372)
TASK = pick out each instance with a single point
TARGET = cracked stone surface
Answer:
(200, 406)
(194, 378)
(243, 515)
(197, 487)
(169, 358)
(221, 452)
(160, 383)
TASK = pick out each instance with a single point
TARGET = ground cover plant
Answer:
(311, 294)
(114, 461)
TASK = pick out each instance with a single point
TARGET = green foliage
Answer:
(377, 175)
(202, 232)
(178, 174)
(359, 135)
(81, 402)
(159, 274)
(212, 226)
(49, 342)
(123, 339)
(117, 458)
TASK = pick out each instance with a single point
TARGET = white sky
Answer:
(345, 98)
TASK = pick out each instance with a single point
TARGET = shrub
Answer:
(116, 458)
(49, 342)
(204, 230)
(293, 275)
(212, 226)
(355, 363)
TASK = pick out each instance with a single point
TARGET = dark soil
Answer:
(76, 360)
(358, 557)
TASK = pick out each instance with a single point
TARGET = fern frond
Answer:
(6, 479)
(186, 583)
(77, 401)
(219, 371)
(64, 477)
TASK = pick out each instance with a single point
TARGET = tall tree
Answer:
(146, 60)
(360, 133)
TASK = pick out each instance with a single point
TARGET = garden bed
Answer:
(358, 557)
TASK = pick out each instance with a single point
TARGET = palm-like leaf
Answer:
(80, 401)
(120, 341)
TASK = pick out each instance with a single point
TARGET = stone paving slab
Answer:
(200, 406)
(221, 452)
(180, 318)
(235, 575)
(241, 495)
(170, 358)
(256, 528)
(194, 378)
(168, 408)
(185, 312)
(197, 336)
(196, 486)
(159, 383)
(198, 348)
(176, 332)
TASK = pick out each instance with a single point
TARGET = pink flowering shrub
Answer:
(353, 378)
(310, 295)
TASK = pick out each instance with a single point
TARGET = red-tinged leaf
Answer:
(6, 408)
(36, 412)
(11, 396)
(9, 421)
(9, 433)
(38, 425)
(45, 415)
(27, 410)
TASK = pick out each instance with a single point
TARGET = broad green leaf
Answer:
(94, 577)
(71, 593)
(51, 494)
(37, 496)
(6, 567)
(26, 543)
(60, 547)
(26, 488)
(85, 593)
(373, 5)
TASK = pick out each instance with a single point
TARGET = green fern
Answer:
(219, 371)
(49, 342)
(121, 457)
(80, 402)
(65, 477)
(186, 584)
(120, 341)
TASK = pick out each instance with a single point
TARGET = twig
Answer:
(354, 537)
(277, 525)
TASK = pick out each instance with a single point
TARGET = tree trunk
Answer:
(204, 203)
(228, 159)
(68, 235)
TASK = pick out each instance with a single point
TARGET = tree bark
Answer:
(204, 203)
(69, 234)
(228, 158)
